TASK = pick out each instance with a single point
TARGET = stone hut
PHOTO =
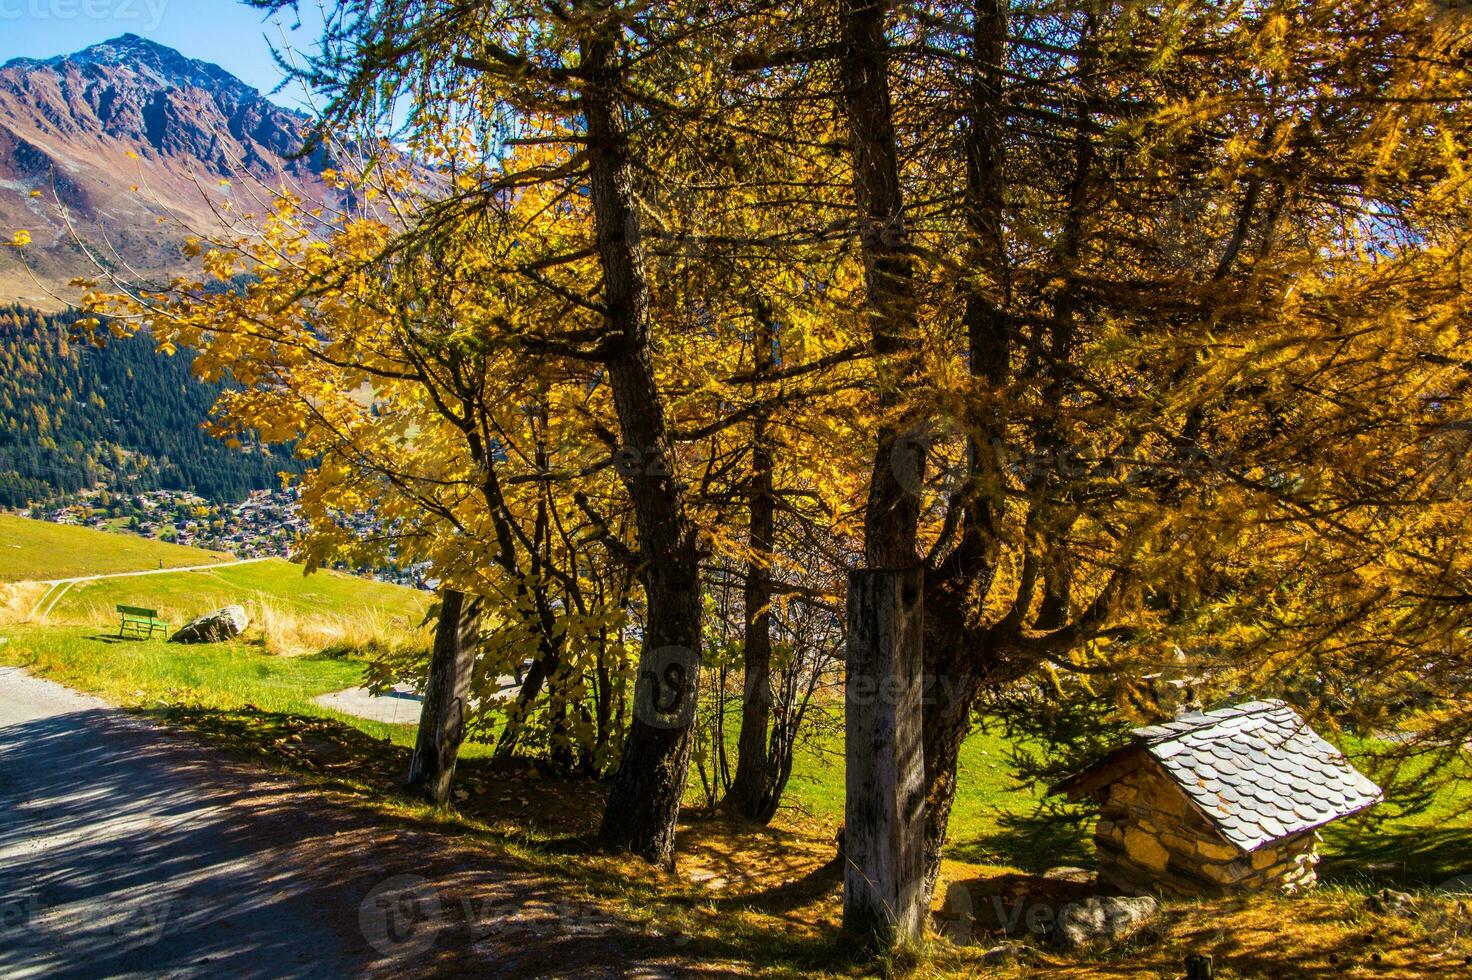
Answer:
(1219, 801)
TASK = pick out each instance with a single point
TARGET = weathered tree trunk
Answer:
(442, 723)
(885, 804)
(892, 512)
(884, 894)
(644, 800)
(754, 792)
(956, 653)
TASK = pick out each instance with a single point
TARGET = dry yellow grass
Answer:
(288, 632)
(280, 629)
(17, 600)
(1325, 934)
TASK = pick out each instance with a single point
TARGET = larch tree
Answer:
(574, 80)
(1130, 279)
(1146, 331)
(405, 386)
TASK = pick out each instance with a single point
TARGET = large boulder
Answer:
(1102, 920)
(215, 627)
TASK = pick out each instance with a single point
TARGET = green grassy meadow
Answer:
(35, 550)
(157, 676)
(294, 612)
(270, 584)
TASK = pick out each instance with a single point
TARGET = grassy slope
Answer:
(261, 704)
(32, 550)
(154, 674)
(274, 583)
(996, 822)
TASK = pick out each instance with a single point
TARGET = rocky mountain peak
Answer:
(122, 133)
(152, 62)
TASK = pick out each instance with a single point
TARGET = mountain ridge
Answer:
(119, 135)
(167, 61)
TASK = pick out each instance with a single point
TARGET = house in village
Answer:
(1219, 801)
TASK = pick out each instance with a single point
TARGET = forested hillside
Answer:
(74, 416)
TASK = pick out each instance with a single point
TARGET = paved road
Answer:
(124, 854)
(127, 851)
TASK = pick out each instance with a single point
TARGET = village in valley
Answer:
(266, 524)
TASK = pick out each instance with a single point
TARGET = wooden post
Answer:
(884, 801)
(1198, 967)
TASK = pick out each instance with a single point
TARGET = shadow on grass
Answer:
(545, 826)
(485, 789)
(1034, 841)
(1408, 857)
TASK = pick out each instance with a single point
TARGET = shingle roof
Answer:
(1257, 771)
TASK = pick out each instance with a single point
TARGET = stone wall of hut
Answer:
(1151, 839)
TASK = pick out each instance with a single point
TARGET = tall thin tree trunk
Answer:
(446, 704)
(644, 800)
(954, 653)
(891, 516)
(756, 771)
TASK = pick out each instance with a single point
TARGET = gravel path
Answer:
(399, 705)
(121, 854)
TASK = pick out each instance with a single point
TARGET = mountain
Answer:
(74, 416)
(120, 135)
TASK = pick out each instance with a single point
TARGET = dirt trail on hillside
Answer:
(58, 587)
(126, 850)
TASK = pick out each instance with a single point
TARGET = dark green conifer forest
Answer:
(75, 416)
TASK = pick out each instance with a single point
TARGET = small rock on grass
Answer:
(1388, 901)
(214, 627)
(1077, 876)
(1102, 920)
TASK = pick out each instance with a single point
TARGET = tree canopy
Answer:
(1142, 328)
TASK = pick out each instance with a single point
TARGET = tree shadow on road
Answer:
(135, 852)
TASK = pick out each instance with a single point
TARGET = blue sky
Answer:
(225, 32)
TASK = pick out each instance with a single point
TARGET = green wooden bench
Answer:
(142, 623)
